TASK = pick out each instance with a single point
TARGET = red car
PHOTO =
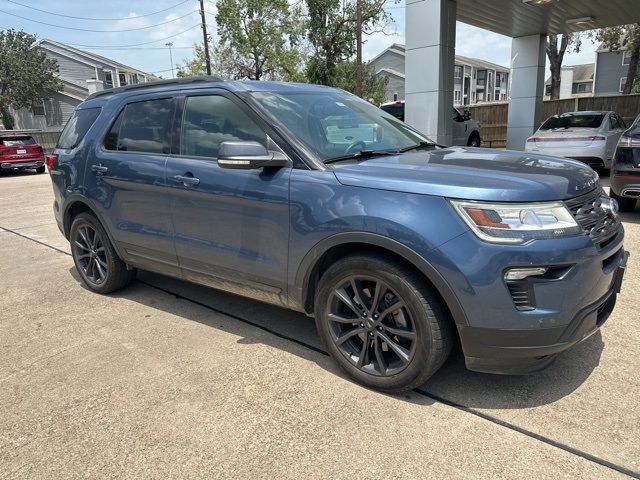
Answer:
(19, 150)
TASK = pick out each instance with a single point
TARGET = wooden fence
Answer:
(47, 140)
(493, 117)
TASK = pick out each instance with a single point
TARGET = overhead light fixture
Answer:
(580, 21)
(539, 2)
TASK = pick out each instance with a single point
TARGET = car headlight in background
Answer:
(517, 223)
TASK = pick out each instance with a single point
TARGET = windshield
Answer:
(336, 124)
(573, 121)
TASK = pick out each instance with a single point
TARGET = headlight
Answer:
(517, 223)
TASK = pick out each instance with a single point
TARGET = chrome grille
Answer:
(595, 222)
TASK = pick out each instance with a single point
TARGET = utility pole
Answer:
(206, 38)
(359, 48)
(169, 44)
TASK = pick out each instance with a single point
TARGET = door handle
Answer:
(186, 181)
(99, 169)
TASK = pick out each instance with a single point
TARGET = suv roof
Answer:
(203, 81)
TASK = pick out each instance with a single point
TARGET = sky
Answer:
(135, 32)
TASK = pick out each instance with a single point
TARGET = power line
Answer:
(99, 19)
(99, 31)
(133, 44)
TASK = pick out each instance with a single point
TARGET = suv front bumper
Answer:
(498, 338)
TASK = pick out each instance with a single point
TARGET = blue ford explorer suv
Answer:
(312, 199)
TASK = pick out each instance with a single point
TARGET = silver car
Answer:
(466, 131)
(590, 137)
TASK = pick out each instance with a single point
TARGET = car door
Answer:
(126, 181)
(231, 225)
(459, 129)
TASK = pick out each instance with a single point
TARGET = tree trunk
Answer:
(633, 68)
(556, 57)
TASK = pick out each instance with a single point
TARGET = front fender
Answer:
(429, 268)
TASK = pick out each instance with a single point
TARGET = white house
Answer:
(81, 73)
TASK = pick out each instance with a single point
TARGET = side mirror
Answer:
(467, 115)
(249, 155)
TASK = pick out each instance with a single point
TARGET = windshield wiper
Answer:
(361, 155)
(418, 146)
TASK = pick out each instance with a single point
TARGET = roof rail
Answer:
(158, 83)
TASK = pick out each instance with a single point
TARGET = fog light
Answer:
(515, 274)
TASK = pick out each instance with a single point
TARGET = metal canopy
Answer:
(515, 18)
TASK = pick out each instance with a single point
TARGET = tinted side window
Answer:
(77, 127)
(210, 120)
(141, 127)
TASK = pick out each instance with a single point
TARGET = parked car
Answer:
(466, 131)
(590, 137)
(625, 179)
(19, 151)
(312, 199)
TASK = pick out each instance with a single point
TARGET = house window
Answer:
(623, 83)
(488, 97)
(108, 80)
(457, 96)
(582, 88)
(547, 90)
(122, 79)
(37, 108)
(457, 72)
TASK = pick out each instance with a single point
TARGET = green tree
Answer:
(259, 39)
(194, 66)
(26, 73)
(623, 37)
(331, 31)
(373, 86)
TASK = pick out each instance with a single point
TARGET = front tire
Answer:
(624, 203)
(40, 170)
(382, 323)
(97, 262)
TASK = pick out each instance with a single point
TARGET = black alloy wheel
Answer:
(371, 326)
(96, 260)
(382, 322)
(90, 254)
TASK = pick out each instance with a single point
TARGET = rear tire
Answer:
(40, 170)
(380, 346)
(474, 140)
(97, 262)
(625, 204)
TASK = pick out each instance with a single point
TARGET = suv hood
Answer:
(473, 174)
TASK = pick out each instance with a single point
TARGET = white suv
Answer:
(466, 131)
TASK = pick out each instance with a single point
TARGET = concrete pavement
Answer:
(171, 380)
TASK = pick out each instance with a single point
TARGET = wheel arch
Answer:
(76, 205)
(474, 133)
(338, 246)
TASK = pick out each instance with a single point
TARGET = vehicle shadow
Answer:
(17, 173)
(296, 333)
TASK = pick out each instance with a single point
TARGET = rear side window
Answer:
(15, 141)
(210, 120)
(141, 127)
(77, 127)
